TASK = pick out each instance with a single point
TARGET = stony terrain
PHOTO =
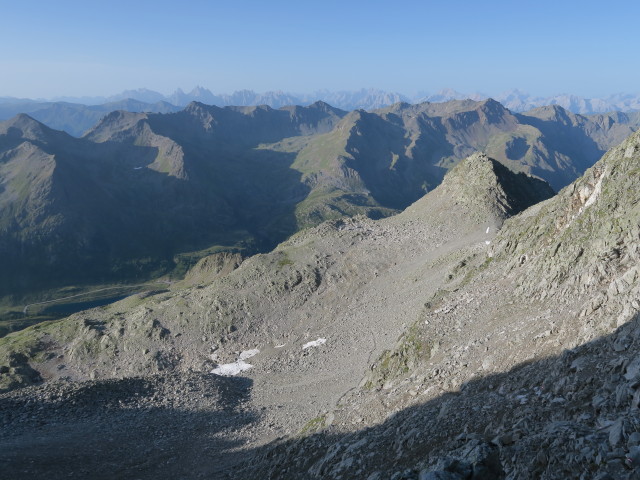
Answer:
(531, 367)
(142, 195)
(163, 426)
(449, 341)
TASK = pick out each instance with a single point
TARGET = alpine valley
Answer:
(422, 291)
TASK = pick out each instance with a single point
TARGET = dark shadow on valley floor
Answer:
(155, 428)
(132, 428)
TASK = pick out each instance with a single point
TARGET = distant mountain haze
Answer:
(367, 99)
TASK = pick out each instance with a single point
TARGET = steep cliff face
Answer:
(586, 240)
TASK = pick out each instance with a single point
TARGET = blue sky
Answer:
(100, 48)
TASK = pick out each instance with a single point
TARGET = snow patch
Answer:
(137, 168)
(488, 230)
(596, 192)
(589, 197)
(487, 242)
(233, 369)
(315, 343)
(249, 353)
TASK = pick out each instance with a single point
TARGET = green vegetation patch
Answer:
(185, 261)
(411, 350)
(284, 260)
(313, 425)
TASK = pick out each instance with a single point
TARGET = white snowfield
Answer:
(233, 369)
(315, 343)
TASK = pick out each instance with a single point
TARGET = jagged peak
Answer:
(198, 90)
(22, 120)
(481, 180)
(492, 104)
(115, 121)
(548, 112)
(325, 107)
(196, 107)
(25, 126)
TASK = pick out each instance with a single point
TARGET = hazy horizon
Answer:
(308, 96)
(72, 48)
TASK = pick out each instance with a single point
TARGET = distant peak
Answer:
(320, 104)
(199, 91)
(552, 112)
(115, 121)
(201, 110)
(325, 107)
(554, 107)
(120, 115)
(24, 126)
(23, 119)
(492, 102)
(195, 105)
(401, 105)
(491, 105)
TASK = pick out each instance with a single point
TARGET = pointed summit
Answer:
(25, 127)
(325, 107)
(485, 190)
(113, 124)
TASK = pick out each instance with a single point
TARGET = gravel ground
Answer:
(441, 354)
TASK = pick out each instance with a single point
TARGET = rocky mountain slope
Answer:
(548, 142)
(140, 188)
(77, 210)
(444, 342)
(526, 367)
(318, 310)
(101, 207)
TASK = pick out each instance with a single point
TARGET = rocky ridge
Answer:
(527, 370)
(425, 345)
(318, 309)
(146, 194)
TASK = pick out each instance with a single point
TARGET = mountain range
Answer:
(366, 99)
(140, 188)
(490, 330)
(77, 118)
